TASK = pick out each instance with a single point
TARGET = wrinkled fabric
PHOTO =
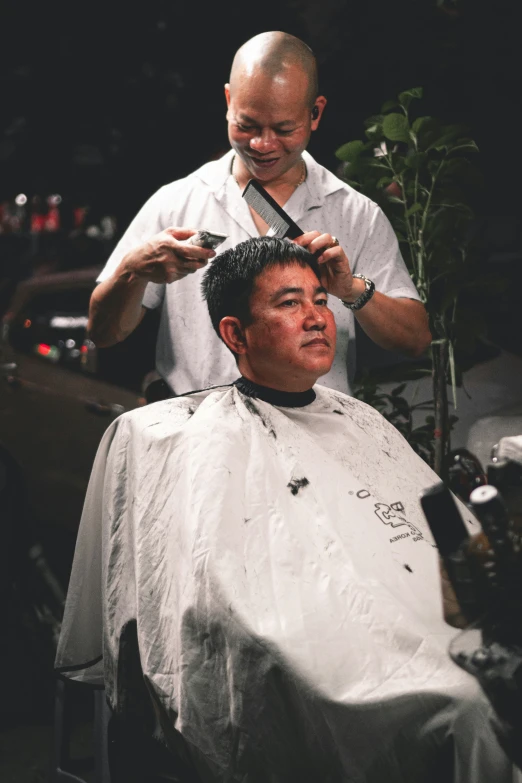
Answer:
(284, 590)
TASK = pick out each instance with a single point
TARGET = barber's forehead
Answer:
(291, 80)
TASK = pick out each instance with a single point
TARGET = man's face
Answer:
(291, 340)
(269, 122)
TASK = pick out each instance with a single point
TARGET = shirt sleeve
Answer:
(380, 259)
(153, 296)
(150, 220)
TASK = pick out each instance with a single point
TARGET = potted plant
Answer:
(421, 173)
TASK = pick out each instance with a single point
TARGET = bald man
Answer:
(273, 107)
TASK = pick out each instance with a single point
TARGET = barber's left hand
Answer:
(336, 275)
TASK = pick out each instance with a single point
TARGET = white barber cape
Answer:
(271, 572)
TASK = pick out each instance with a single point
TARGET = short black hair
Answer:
(229, 280)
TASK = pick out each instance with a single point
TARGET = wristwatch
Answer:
(364, 297)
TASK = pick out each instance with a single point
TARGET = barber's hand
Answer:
(336, 274)
(166, 257)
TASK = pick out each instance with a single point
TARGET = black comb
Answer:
(274, 215)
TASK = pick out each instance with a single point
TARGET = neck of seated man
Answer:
(288, 359)
(292, 383)
(285, 399)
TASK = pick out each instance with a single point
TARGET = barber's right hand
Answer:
(166, 257)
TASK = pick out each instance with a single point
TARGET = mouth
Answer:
(263, 163)
(319, 341)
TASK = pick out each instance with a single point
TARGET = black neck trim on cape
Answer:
(275, 396)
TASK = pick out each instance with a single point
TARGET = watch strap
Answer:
(363, 298)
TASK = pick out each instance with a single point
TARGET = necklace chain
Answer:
(302, 179)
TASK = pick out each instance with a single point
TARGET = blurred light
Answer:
(51, 352)
(55, 199)
(84, 349)
(69, 322)
(21, 199)
(27, 323)
(70, 343)
(74, 353)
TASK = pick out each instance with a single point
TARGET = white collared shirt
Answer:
(189, 355)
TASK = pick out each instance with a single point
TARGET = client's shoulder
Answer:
(334, 399)
(167, 416)
(361, 414)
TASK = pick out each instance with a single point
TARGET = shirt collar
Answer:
(319, 182)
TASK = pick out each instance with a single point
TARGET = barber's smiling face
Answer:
(269, 122)
(291, 340)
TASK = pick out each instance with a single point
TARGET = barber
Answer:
(273, 106)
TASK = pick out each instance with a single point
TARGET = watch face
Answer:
(367, 282)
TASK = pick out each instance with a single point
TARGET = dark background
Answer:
(104, 102)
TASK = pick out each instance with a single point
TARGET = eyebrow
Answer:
(246, 118)
(282, 291)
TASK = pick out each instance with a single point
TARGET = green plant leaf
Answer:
(416, 160)
(402, 407)
(374, 132)
(375, 119)
(407, 96)
(424, 122)
(373, 127)
(413, 209)
(350, 152)
(467, 144)
(396, 128)
(449, 137)
(389, 106)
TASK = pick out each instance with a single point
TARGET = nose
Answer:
(315, 318)
(263, 141)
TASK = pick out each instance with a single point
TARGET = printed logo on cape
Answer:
(393, 515)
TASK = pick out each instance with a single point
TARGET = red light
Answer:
(27, 323)
(43, 349)
(84, 349)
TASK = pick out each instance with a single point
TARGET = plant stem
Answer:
(416, 185)
(423, 289)
(441, 430)
(411, 236)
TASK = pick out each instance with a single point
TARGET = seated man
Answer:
(253, 571)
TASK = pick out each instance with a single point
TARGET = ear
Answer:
(319, 105)
(232, 334)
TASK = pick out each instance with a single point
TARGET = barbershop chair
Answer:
(123, 753)
(61, 761)
(135, 757)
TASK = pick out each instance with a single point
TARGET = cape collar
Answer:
(282, 399)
